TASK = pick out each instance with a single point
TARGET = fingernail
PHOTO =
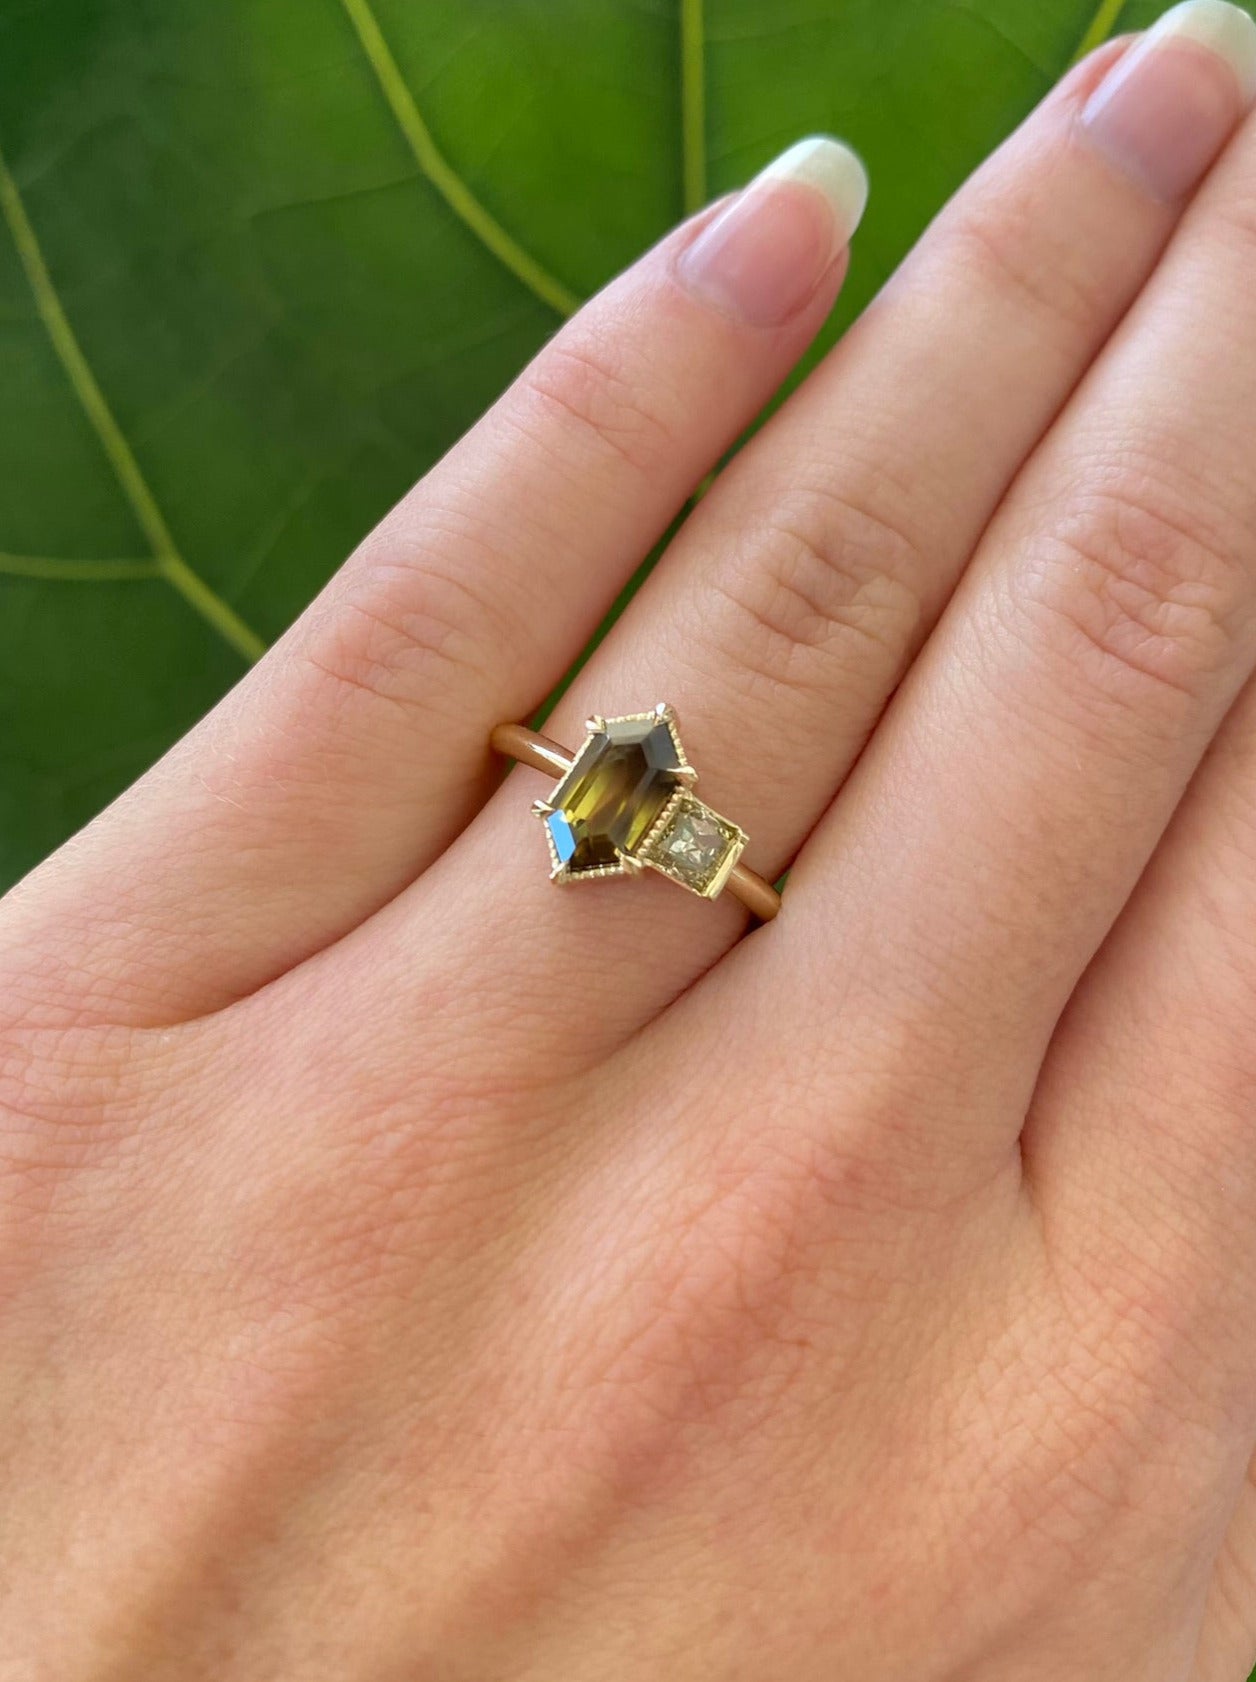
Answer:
(763, 257)
(1169, 105)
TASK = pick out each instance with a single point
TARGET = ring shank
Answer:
(529, 747)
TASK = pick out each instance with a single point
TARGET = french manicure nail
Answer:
(1167, 107)
(763, 257)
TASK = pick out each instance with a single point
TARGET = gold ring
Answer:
(625, 802)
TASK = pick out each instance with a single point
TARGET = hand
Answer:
(414, 1270)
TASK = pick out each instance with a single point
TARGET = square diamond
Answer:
(694, 845)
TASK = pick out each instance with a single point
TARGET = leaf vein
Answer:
(1099, 28)
(441, 173)
(75, 572)
(167, 560)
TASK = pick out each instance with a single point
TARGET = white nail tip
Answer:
(1225, 30)
(832, 169)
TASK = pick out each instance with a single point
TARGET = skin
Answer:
(411, 1270)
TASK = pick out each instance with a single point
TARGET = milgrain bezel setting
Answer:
(626, 803)
(668, 781)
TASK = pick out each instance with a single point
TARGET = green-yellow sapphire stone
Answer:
(617, 786)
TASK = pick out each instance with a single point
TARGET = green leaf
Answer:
(261, 261)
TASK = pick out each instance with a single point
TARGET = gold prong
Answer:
(594, 723)
(688, 772)
(541, 808)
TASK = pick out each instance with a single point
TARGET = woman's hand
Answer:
(414, 1270)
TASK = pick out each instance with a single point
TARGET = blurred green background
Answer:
(261, 261)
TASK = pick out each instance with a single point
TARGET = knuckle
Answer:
(831, 570)
(719, 1287)
(1148, 586)
(399, 628)
(581, 382)
(999, 245)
